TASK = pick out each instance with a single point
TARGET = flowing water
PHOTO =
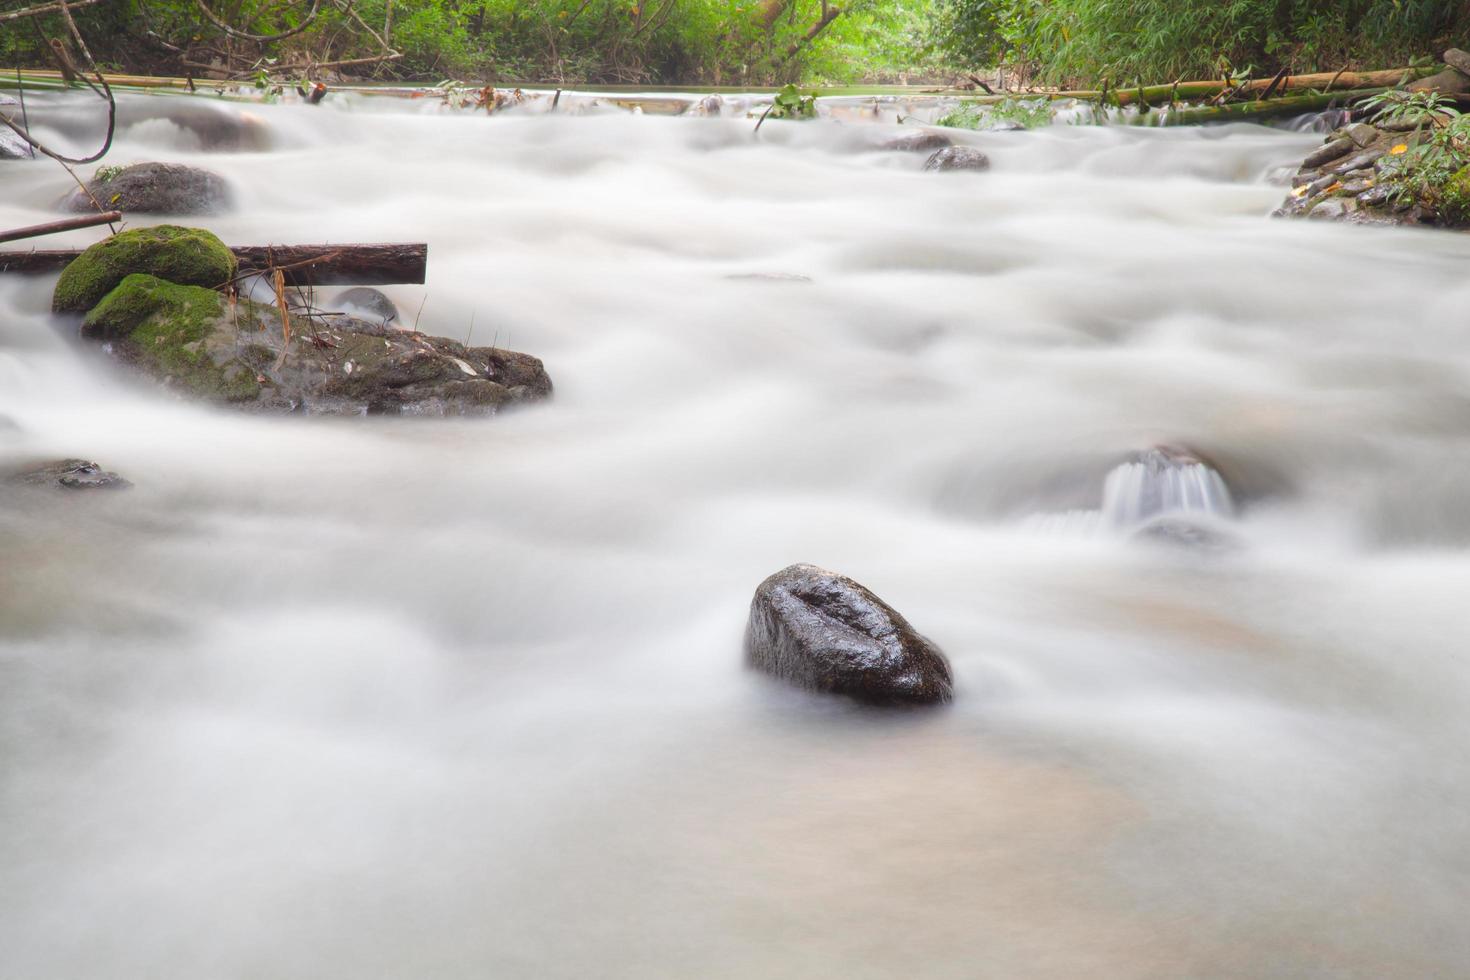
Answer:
(404, 698)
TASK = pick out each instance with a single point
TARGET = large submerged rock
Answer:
(825, 632)
(70, 474)
(154, 188)
(958, 158)
(192, 341)
(186, 256)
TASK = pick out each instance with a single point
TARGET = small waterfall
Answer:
(1163, 481)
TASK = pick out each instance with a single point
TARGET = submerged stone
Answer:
(825, 632)
(72, 474)
(958, 158)
(1164, 481)
(367, 302)
(186, 256)
(154, 188)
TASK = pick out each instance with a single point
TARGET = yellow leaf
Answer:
(1400, 149)
(1300, 191)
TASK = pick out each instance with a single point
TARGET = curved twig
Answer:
(245, 35)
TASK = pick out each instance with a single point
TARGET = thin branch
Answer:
(45, 8)
(243, 35)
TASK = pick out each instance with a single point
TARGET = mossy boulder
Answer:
(140, 296)
(172, 333)
(190, 341)
(187, 256)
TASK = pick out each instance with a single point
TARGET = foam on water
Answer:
(348, 698)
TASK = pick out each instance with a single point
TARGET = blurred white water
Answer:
(379, 698)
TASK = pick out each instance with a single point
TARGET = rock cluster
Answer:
(149, 300)
(1344, 179)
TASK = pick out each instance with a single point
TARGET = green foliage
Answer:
(103, 174)
(1431, 167)
(791, 104)
(1156, 40)
(1028, 113)
(722, 42)
(1398, 105)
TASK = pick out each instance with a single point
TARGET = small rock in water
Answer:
(73, 474)
(155, 188)
(365, 301)
(825, 632)
(924, 140)
(1164, 481)
(958, 158)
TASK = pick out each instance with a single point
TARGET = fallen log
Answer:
(1340, 81)
(301, 265)
(68, 224)
(1246, 111)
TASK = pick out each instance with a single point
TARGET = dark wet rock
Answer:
(926, 140)
(155, 188)
(72, 474)
(1458, 60)
(1327, 153)
(186, 256)
(367, 303)
(12, 147)
(1355, 187)
(1447, 82)
(958, 158)
(825, 632)
(190, 341)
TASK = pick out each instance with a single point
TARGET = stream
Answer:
(361, 698)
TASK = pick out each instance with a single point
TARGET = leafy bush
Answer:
(1159, 40)
(1431, 167)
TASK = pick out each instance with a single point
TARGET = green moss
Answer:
(167, 329)
(140, 296)
(188, 256)
(1454, 199)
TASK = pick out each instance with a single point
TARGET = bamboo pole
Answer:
(1256, 109)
